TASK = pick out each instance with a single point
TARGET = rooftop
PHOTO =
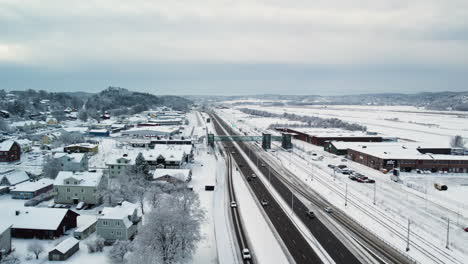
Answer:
(34, 218)
(66, 245)
(180, 174)
(32, 186)
(85, 179)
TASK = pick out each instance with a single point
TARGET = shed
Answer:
(65, 249)
(31, 189)
(86, 226)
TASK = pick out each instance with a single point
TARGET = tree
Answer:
(83, 115)
(457, 142)
(141, 166)
(36, 248)
(171, 231)
(10, 259)
(95, 244)
(68, 138)
(118, 250)
(4, 126)
(51, 167)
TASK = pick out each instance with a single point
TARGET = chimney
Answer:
(17, 212)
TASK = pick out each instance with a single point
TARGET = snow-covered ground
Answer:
(395, 203)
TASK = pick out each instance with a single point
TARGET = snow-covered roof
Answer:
(180, 174)
(32, 186)
(34, 218)
(23, 141)
(15, 176)
(6, 145)
(83, 145)
(85, 179)
(76, 157)
(84, 222)
(4, 227)
(398, 151)
(153, 129)
(171, 147)
(66, 245)
(120, 212)
(98, 131)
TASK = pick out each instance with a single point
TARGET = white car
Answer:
(233, 204)
(254, 175)
(328, 209)
(246, 254)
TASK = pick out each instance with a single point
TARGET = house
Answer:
(31, 189)
(51, 121)
(12, 177)
(42, 223)
(74, 187)
(25, 145)
(72, 161)
(9, 151)
(172, 175)
(81, 148)
(99, 132)
(120, 165)
(5, 239)
(168, 149)
(4, 114)
(86, 226)
(155, 131)
(118, 223)
(65, 249)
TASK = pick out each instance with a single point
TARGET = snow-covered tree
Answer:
(457, 142)
(141, 166)
(83, 115)
(68, 138)
(118, 251)
(95, 244)
(170, 232)
(36, 248)
(4, 126)
(12, 258)
(51, 167)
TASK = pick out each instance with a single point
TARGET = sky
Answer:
(223, 47)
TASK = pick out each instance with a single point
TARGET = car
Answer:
(80, 205)
(344, 160)
(314, 154)
(233, 204)
(466, 229)
(331, 166)
(362, 177)
(233, 152)
(264, 202)
(342, 166)
(352, 177)
(254, 175)
(249, 178)
(346, 172)
(370, 181)
(263, 165)
(246, 254)
(360, 180)
(310, 214)
(328, 209)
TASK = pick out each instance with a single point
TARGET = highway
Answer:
(297, 245)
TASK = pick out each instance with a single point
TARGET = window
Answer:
(118, 223)
(67, 182)
(76, 194)
(82, 190)
(104, 222)
(112, 166)
(68, 189)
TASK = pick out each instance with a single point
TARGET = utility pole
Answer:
(448, 232)
(408, 238)
(292, 202)
(375, 188)
(269, 176)
(346, 196)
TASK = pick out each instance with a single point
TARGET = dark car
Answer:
(370, 181)
(360, 180)
(331, 166)
(342, 166)
(346, 172)
(310, 214)
(352, 177)
(466, 229)
(249, 178)
(264, 202)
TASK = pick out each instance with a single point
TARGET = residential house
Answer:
(51, 121)
(12, 177)
(31, 189)
(5, 240)
(81, 148)
(42, 223)
(118, 223)
(9, 151)
(64, 250)
(74, 187)
(151, 131)
(172, 175)
(72, 161)
(120, 165)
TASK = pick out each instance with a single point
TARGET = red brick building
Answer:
(9, 151)
(320, 137)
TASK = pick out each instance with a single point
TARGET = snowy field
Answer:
(414, 199)
(404, 122)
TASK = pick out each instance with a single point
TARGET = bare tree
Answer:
(170, 232)
(95, 244)
(118, 251)
(10, 259)
(36, 248)
(457, 142)
(51, 167)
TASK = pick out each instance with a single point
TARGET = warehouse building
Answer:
(320, 136)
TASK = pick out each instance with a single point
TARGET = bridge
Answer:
(266, 139)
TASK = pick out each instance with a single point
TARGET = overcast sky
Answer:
(235, 47)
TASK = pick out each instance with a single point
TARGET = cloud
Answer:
(68, 36)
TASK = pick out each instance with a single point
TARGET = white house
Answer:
(12, 177)
(72, 161)
(172, 175)
(118, 223)
(74, 187)
(119, 165)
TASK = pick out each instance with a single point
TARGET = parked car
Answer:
(342, 166)
(310, 214)
(80, 205)
(345, 172)
(370, 181)
(362, 177)
(328, 209)
(233, 204)
(233, 152)
(360, 180)
(352, 177)
(344, 160)
(249, 178)
(254, 175)
(246, 254)
(466, 229)
(264, 202)
(263, 164)
(331, 166)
